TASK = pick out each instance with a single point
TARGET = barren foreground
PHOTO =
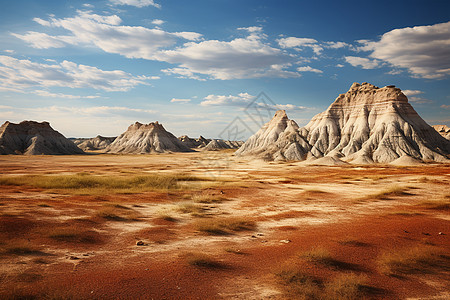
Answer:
(212, 226)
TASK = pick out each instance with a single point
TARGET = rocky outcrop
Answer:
(365, 125)
(93, 144)
(278, 139)
(443, 130)
(146, 138)
(218, 144)
(34, 138)
(194, 143)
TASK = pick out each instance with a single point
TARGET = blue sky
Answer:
(95, 67)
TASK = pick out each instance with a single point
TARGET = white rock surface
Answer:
(146, 138)
(365, 125)
(92, 144)
(443, 130)
(34, 138)
(278, 139)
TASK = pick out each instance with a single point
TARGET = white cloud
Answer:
(339, 66)
(137, 3)
(43, 93)
(445, 106)
(309, 69)
(180, 100)
(9, 51)
(292, 42)
(422, 50)
(243, 100)
(106, 33)
(23, 74)
(41, 40)
(239, 58)
(365, 63)
(412, 92)
(88, 5)
(336, 45)
(158, 22)
(298, 43)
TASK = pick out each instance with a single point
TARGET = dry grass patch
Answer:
(74, 234)
(20, 248)
(300, 285)
(419, 259)
(84, 183)
(118, 213)
(225, 225)
(318, 255)
(207, 199)
(190, 208)
(345, 286)
(442, 204)
(385, 194)
(202, 260)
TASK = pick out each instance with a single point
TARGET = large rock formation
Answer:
(93, 144)
(278, 139)
(443, 130)
(194, 143)
(218, 144)
(146, 138)
(34, 138)
(365, 125)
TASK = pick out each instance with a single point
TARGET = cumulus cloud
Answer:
(106, 33)
(299, 43)
(365, 63)
(158, 22)
(422, 50)
(236, 59)
(445, 106)
(243, 100)
(309, 69)
(177, 100)
(412, 92)
(137, 3)
(24, 73)
(336, 45)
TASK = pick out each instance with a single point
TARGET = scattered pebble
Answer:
(73, 258)
(441, 233)
(140, 243)
(285, 241)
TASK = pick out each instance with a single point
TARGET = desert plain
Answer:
(210, 225)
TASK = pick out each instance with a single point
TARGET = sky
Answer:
(216, 68)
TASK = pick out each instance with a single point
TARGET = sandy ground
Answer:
(54, 244)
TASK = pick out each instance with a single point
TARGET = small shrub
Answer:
(443, 204)
(418, 259)
(207, 199)
(202, 260)
(114, 213)
(318, 255)
(298, 284)
(224, 225)
(73, 234)
(189, 208)
(345, 287)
